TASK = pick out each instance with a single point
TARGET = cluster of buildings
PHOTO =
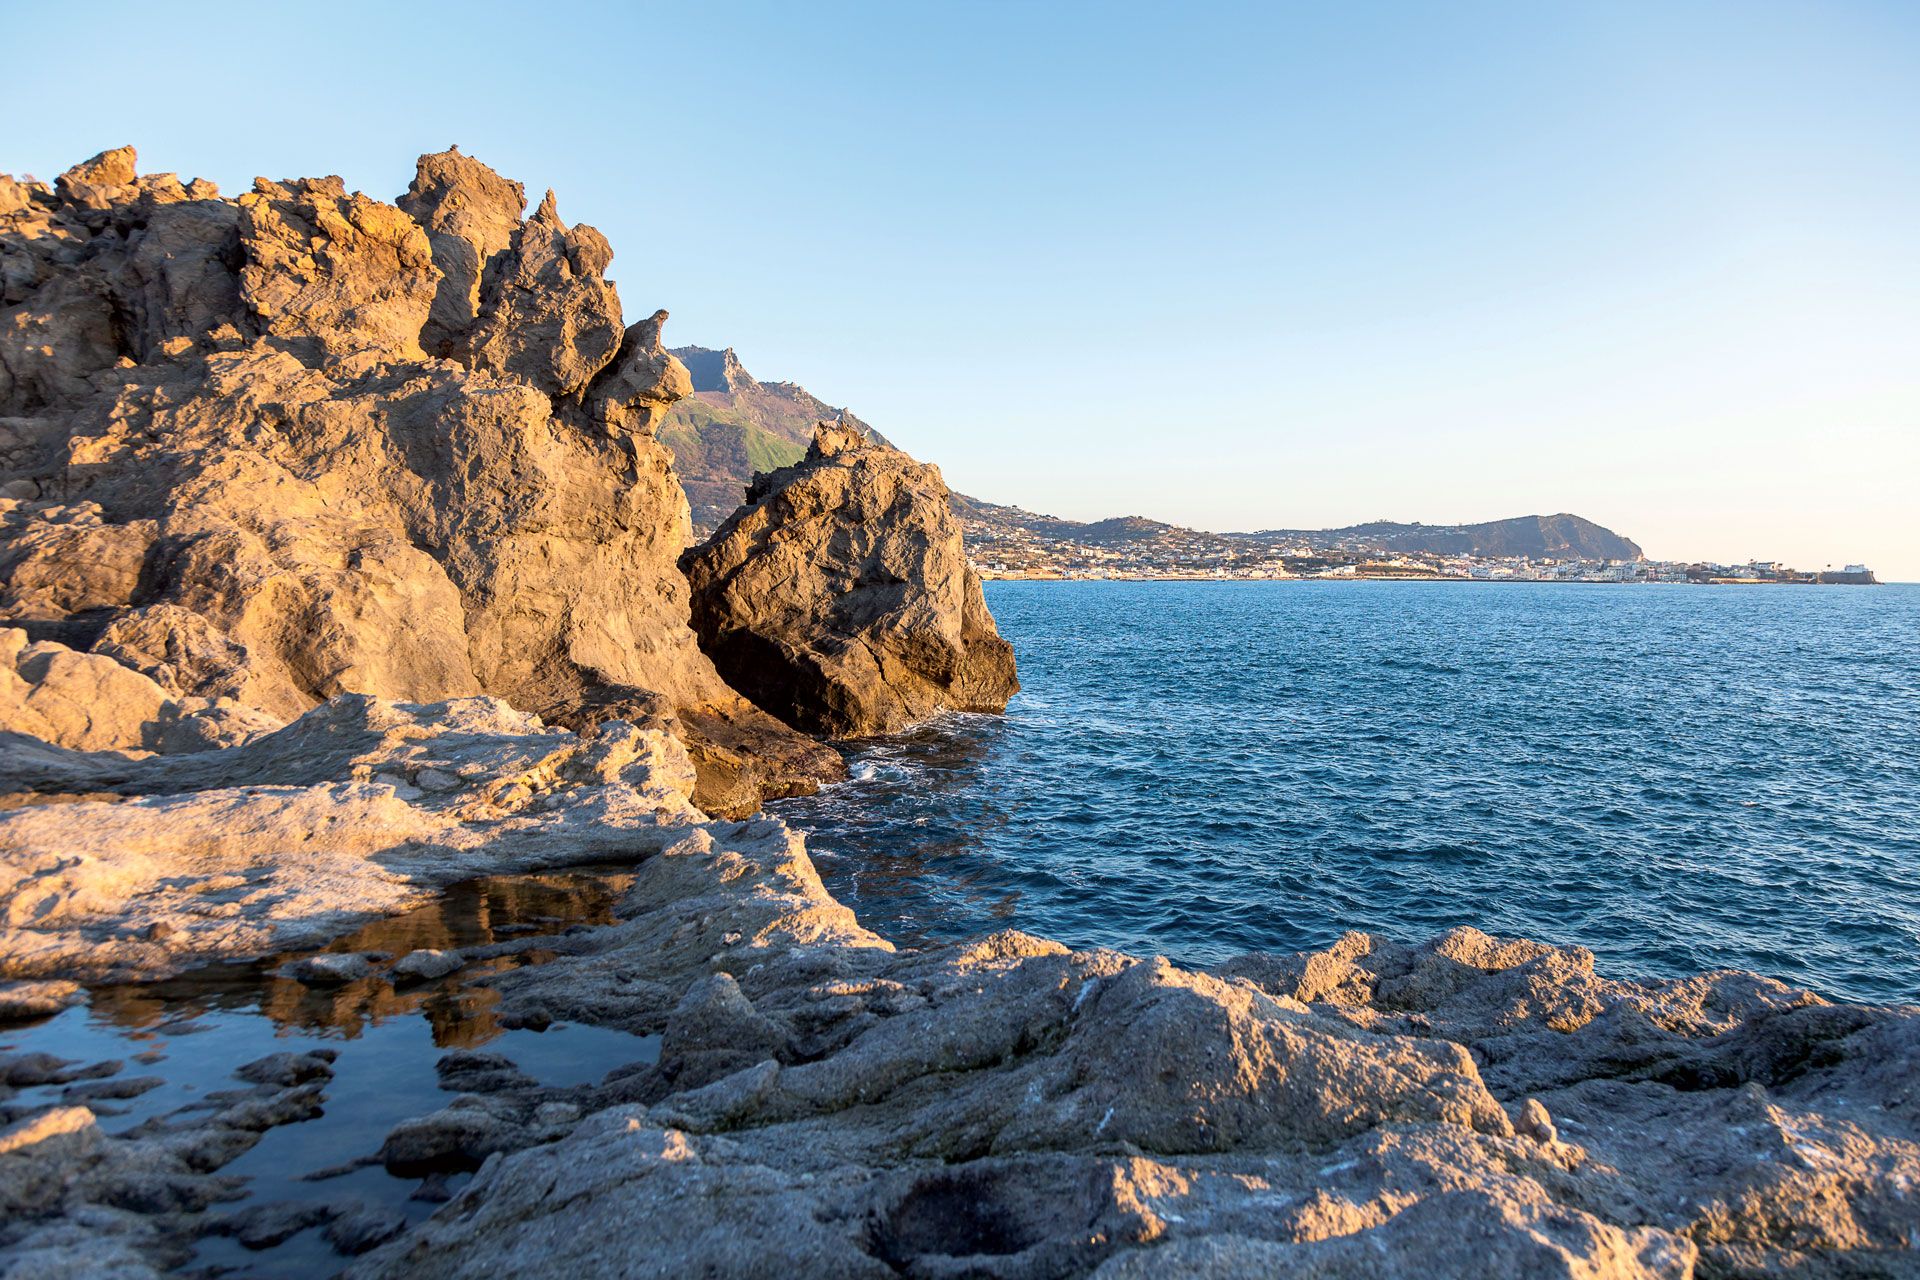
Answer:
(1174, 553)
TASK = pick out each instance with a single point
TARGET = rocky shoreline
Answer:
(339, 565)
(824, 1104)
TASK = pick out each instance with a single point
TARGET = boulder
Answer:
(839, 597)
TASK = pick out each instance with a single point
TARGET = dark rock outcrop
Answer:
(839, 598)
(303, 443)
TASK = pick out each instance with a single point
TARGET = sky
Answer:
(1231, 266)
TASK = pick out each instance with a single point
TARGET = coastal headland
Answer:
(342, 563)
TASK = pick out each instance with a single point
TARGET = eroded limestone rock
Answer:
(1010, 1108)
(88, 702)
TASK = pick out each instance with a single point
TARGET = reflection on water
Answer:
(475, 913)
(192, 1030)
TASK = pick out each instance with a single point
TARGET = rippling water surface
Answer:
(1680, 778)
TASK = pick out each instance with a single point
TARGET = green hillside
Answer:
(716, 450)
(706, 438)
(732, 426)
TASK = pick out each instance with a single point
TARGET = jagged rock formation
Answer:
(303, 442)
(822, 1104)
(733, 426)
(1469, 1107)
(839, 598)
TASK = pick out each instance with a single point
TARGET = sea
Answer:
(1680, 778)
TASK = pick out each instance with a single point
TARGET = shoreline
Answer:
(818, 1093)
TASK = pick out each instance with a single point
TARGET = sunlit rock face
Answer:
(303, 443)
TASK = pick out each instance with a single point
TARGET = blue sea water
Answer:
(1680, 778)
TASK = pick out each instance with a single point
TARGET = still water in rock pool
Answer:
(178, 1041)
(1680, 778)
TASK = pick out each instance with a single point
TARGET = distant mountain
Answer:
(1014, 536)
(1555, 537)
(734, 425)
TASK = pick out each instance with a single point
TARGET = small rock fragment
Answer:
(26, 1070)
(122, 1087)
(552, 1114)
(34, 1130)
(426, 964)
(267, 1225)
(329, 969)
(20, 1001)
(287, 1069)
(1535, 1123)
(452, 1140)
(464, 1071)
(358, 1226)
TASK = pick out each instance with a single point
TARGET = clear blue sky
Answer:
(1231, 266)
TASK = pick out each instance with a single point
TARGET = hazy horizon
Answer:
(1253, 267)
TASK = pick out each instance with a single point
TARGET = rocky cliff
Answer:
(303, 442)
(840, 599)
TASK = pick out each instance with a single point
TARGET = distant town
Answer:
(1006, 542)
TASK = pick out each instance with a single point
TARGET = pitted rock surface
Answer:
(1010, 1108)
